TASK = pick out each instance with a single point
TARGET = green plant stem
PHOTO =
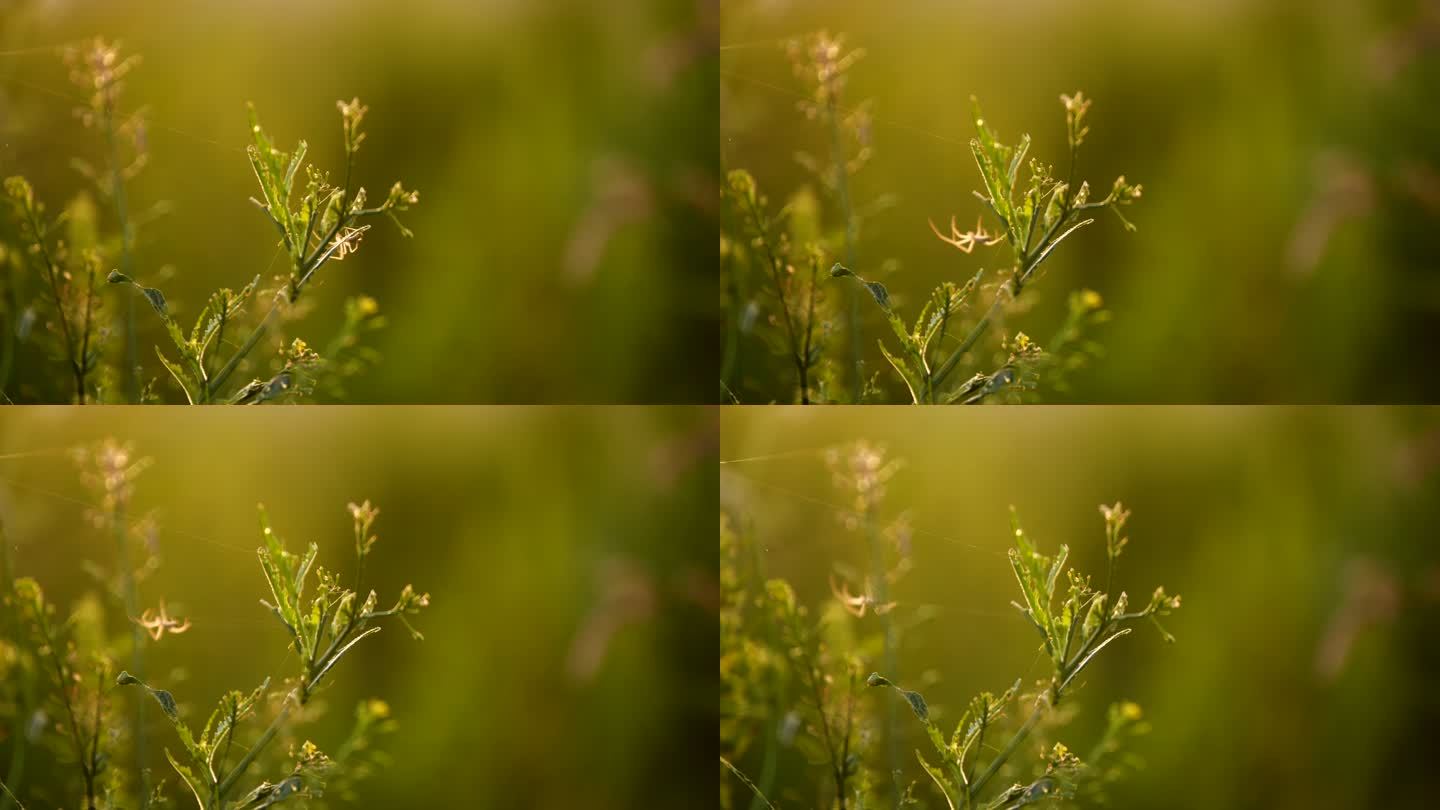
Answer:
(801, 364)
(809, 327)
(219, 334)
(52, 274)
(15, 773)
(838, 766)
(213, 386)
(131, 597)
(732, 366)
(849, 726)
(974, 335)
(842, 195)
(95, 738)
(7, 355)
(880, 590)
(224, 786)
(62, 686)
(10, 797)
(769, 771)
(768, 768)
(759, 795)
(1005, 753)
(979, 746)
(122, 219)
(64, 689)
(1026, 262)
(85, 340)
(304, 270)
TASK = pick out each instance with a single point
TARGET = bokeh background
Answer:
(1302, 541)
(568, 657)
(564, 152)
(1289, 152)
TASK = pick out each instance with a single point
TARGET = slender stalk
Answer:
(1005, 753)
(16, 770)
(974, 335)
(849, 726)
(7, 355)
(880, 590)
(730, 362)
(979, 746)
(10, 797)
(220, 330)
(768, 768)
(759, 800)
(52, 274)
(85, 339)
(801, 371)
(213, 387)
(224, 786)
(131, 597)
(304, 269)
(838, 766)
(122, 220)
(15, 773)
(62, 684)
(95, 737)
(809, 328)
(842, 196)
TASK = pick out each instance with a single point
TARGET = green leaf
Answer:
(167, 702)
(992, 158)
(167, 705)
(875, 288)
(295, 161)
(878, 292)
(279, 567)
(1014, 172)
(915, 699)
(154, 296)
(233, 707)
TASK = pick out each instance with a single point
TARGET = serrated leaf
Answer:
(172, 711)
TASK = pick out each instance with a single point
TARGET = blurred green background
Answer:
(564, 152)
(1302, 541)
(568, 658)
(1289, 152)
